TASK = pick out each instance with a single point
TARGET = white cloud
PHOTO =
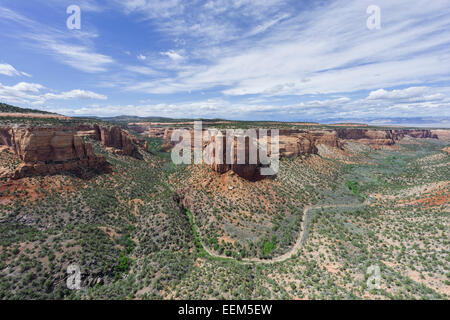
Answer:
(175, 56)
(22, 92)
(75, 94)
(153, 8)
(269, 109)
(72, 48)
(327, 49)
(409, 94)
(142, 57)
(9, 70)
(80, 57)
(142, 70)
(31, 93)
(27, 87)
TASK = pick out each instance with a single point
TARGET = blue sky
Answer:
(235, 59)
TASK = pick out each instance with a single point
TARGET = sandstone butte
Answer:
(48, 150)
(292, 143)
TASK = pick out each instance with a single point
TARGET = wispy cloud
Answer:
(75, 94)
(9, 70)
(327, 49)
(273, 59)
(141, 57)
(79, 57)
(34, 93)
(337, 108)
(74, 49)
(175, 56)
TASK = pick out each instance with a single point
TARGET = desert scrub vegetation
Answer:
(242, 215)
(107, 225)
(132, 240)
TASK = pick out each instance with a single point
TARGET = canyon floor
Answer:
(148, 229)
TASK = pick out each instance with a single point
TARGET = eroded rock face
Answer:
(442, 134)
(293, 143)
(119, 138)
(49, 150)
(382, 137)
(296, 143)
(369, 137)
(45, 144)
(420, 134)
(249, 170)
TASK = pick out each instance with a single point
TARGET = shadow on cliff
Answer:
(84, 173)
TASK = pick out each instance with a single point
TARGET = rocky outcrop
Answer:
(293, 143)
(369, 137)
(114, 137)
(249, 170)
(296, 143)
(382, 137)
(419, 134)
(120, 139)
(48, 151)
(442, 134)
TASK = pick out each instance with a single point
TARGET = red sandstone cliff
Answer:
(49, 150)
(296, 143)
(119, 138)
(382, 137)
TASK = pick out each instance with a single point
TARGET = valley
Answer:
(105, 195)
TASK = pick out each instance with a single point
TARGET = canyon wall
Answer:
(120, 139)
(378, 138)
(442, 134)
(48, 151)
(293, 143)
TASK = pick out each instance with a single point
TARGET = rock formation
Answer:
(120, 139)
(48, 151)
(369, 137)
(442, 134)
(381, 137)
(293, 142)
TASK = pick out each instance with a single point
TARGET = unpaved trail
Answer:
(300, 239)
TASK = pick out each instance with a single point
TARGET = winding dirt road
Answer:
(300, 239)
